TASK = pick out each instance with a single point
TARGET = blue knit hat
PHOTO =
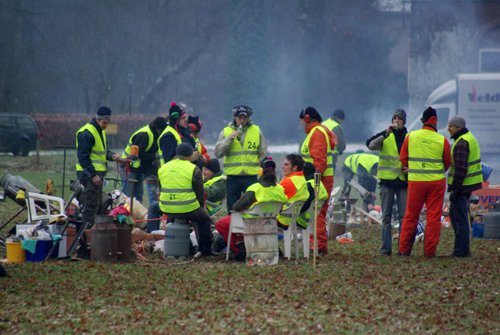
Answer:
(103, 113)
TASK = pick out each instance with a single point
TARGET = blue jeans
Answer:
(154, 212)
(138, 187)
(152, 188)
(387, 195)
(459, 216)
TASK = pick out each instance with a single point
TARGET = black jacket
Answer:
(399, 135)
(147, 157)
(168, 143)
(85, 143)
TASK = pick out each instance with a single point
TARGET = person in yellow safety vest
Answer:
(393, 183)
(364, 166)
(175, 133)
(214, 185)
(317, 149)
(266, 189)
(426, 156)
(303, 220)
(143, 166)
(294, 185)
(181, 196)
(242, 145)
(195, 126)
(334, 123)
(92, 153)
(464, 177)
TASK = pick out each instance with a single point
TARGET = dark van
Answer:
(18, 133)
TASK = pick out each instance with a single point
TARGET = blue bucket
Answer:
(477, 230)
(41, 251)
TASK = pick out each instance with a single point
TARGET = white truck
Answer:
(475, 97)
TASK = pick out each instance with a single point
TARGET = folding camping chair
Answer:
(293, 212)
(310, 226)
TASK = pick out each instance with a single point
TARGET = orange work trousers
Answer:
(430, 193)
(321, 224)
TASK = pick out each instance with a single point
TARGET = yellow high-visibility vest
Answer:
(167, 130)
(302, 194)
(365, 160)
(137, 163)
(197, 146)
(474, 168)
(303, 220)
(425, 155)
(306, 155)
(389, 165)
(332, 124)
(176, 193)
(98, 151)
(266, 194)
(243, 160)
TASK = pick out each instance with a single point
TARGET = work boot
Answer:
(241, 256)
(218, 244)
(3, 273)
(199, 255)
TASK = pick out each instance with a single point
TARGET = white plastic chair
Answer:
(309, 230)
(45, 207)
(262, 210)
(293, 213)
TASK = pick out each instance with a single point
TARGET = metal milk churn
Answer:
(124, 238)
(110, 241)
(177, 238)
(104, 246)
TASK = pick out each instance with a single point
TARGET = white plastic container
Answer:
(346, 235)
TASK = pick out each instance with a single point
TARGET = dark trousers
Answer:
(90, 200)
(199, 218)
(459, 216)
(236, 186)
(388, 196)
(138, 186)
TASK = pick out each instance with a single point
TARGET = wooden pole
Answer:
(317, 181)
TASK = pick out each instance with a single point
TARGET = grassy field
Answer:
(352, 290)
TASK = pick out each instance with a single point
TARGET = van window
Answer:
(25, 123)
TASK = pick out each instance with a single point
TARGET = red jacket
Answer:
(318, 145)
(204, 152)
